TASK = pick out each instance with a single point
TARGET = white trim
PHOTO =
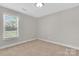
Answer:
(3, 26)
(58, 43)
(14, 44)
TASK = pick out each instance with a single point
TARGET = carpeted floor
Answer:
(38, 48)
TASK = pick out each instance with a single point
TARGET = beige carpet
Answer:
(38, 48)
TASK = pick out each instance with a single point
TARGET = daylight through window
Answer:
(10, 29)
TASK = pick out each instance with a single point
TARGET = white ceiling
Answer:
(48, 8)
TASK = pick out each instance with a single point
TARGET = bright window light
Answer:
(10, 26)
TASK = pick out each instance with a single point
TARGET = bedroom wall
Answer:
(61, 27)
(27, 27)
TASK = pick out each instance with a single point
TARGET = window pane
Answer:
(10, 26)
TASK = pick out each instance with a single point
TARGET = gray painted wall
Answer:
(27, 27)
(62, 27)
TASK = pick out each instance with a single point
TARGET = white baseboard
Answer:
(14, 44)
(58, 43)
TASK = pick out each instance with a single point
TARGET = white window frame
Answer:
(4, 26)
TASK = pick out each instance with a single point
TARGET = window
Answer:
(10, 26)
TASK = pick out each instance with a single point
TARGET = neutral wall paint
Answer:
(62, 27)
(27, 27)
